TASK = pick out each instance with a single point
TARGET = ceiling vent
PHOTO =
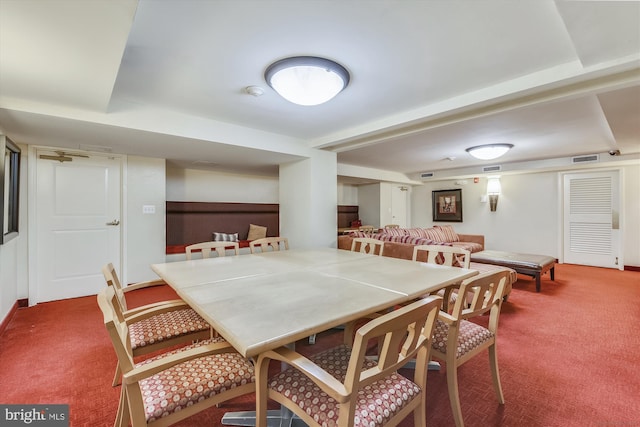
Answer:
(585, 159)
(496, 168)
(426, 175)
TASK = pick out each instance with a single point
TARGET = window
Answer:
(9, 188)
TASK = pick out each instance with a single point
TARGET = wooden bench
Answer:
(527, 264)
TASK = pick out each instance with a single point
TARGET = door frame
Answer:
(621, 215)
(32, 204)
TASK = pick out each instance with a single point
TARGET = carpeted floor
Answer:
(569, 356)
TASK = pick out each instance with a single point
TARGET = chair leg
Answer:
(454, 398)
(262, 393)
(495, 373)
(420, 414)
(117, 375)
(122, 418)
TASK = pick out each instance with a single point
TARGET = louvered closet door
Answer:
(591, 219)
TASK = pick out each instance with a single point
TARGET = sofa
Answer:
(399, 243)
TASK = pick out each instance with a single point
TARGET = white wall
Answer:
(369, 204)
(308, 201)
(347, 194)
(528, 216)
(144, 235)
(192, 185)
(631, 209)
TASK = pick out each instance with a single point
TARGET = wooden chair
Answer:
(265, 243)
(456, 339)
(111, 277)
(157, 325)
(445, 255)
(209, 372)
(207, 247)
(338, 385)
(367, 245)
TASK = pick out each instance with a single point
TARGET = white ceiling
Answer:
(428, 79)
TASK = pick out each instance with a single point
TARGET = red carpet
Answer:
(569, 356)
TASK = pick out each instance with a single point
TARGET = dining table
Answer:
(259, 302)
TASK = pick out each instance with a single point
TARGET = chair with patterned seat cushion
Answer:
(367, 245)
(111, 277)
(444, 255)
(275, 243)
(157, 325)
(456, 339)
(174, 385)
(207, 247)
(343, 386)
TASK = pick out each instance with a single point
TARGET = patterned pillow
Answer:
(256, 232)
(435, 234)
(417, 232)
(224, 237)
(449, 233)
(394, 231)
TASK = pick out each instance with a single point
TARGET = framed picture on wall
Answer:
(447, 205)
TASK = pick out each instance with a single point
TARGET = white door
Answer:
(78, 217)
(591, 219)
(399, 205)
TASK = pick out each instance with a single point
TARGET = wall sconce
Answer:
(493, 191)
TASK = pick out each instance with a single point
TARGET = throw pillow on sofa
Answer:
(449, 233)
(256, 232)
(225, 237)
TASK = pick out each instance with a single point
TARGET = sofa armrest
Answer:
(472, 238)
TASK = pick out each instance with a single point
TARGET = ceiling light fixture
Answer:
(489, 151)
(307, 80)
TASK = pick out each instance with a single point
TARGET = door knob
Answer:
(114, 222)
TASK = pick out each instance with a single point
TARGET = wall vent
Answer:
(426, 175)
(496, 168)
(585, 159)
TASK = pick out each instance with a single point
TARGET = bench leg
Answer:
(552, 273)
(537, 282)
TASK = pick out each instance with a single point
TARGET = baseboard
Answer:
(7, 319)
(631, 268)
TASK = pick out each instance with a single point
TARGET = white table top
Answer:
(262, 301)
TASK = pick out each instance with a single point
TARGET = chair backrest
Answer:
(445, 255)
(266, 242)
(366, 228)
(111, 277)
(367, 245)
(405, 334)
(116, 327)
(484, 292)
(207, 247)
(392, 226)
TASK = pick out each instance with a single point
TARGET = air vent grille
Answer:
(496, 168)
(585, 159)
(426, 175)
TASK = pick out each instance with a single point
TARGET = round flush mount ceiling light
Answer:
(489, 151)
(307, 80)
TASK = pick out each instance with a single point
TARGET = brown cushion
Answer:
(256, 232)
